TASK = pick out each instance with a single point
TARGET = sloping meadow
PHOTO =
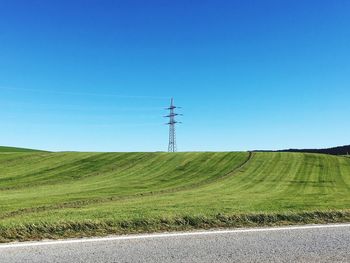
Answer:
(53, 195)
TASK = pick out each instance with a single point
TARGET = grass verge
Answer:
(42, 230)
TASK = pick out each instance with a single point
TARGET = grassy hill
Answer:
(50, 195)
(16, 149)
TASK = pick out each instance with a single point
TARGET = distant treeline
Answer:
(340, 150)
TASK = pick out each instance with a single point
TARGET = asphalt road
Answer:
(327, 243)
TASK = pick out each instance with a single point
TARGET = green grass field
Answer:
(16, 149)
(53, 195)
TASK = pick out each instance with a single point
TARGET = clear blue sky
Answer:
(96, 75)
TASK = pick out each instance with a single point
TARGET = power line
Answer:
(83, 93)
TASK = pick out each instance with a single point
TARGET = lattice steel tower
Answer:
(172, 132)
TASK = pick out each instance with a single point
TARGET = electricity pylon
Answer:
(172, 131)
